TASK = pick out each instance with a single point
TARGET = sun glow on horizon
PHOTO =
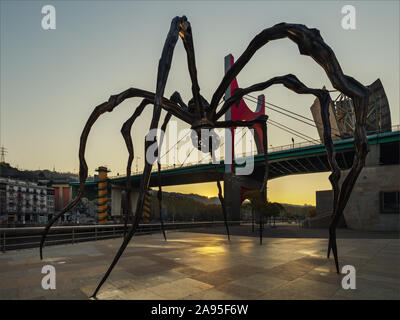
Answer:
(295, 189)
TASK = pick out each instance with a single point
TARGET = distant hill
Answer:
(215, 200)
(8, 171)
(296, 210)
(197, 197)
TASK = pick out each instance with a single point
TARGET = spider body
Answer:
(205, 106)
(201, 115)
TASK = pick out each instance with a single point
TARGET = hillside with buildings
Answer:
(33, 196)
(7, 171)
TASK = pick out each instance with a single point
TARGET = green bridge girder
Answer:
(284, 156)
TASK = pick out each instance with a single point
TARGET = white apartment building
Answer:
(25, 202)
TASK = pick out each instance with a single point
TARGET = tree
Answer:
(273, 209)
(311, 212)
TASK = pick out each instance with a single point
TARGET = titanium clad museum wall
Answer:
(373, 205)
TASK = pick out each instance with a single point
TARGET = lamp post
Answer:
(137, 169)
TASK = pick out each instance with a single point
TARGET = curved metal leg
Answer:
(108, 106)
(159, 193)
(126, 133)
(163, 70)
(222, 200)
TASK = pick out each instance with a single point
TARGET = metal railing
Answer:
(23, 238)
(205, 160)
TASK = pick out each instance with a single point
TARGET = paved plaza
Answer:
(206, 266)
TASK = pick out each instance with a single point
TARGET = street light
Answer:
(137, 169)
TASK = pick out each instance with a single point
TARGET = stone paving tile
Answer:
(192, 272)
(312, 261)
(367, 289)
(328, 267)
(168, 262)
(267, 262)
(290, 270)
(89, 289)
(206, 266)
(261, 282)
(316, 288)
(213, 265)
(7, 284)
(377, 277)
(390, 271)
(9, 293)
(143, 271)
(222, 276)
(33, 292)
(111, 295)
(179, 289)
(142, 294)
(323, 276)
(154, 280)
(136, 261)
(212, 294)
(74, 294)
(243, 292)
(287, 294)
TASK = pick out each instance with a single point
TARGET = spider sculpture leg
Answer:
(261, 120)
(310, 42)
(261, 223)
(159, 193)
(221, 197)
(292, 83)
(108, 106)
(263, 189)
(126, 133)
(163, 70)
(176, 97)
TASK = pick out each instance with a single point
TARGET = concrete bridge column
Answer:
(232, 193)
(116, 202)
(373, 156)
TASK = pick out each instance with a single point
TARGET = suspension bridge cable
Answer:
(284, 109)
(270, 108)
(289, 111)
(292, 133)
(187, 157)
(277, 125)
(300, 133)
(174, 145)
(222, 100)
(243, 134)
(272, 122)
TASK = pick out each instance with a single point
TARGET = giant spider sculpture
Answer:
(200, 114)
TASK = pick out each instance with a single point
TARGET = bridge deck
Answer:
(305, 159)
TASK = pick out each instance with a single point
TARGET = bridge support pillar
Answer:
(233, 186)
(373, 156)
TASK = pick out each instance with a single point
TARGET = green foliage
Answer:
(296, 211)
(181, 208)
(311, 212)
(273, 209)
